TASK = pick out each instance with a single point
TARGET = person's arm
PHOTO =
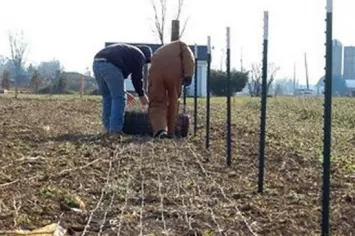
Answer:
(137, 78)
(188, 60)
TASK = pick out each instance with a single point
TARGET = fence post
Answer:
(195, 94)
(229, 115)
(263, 104)
(145, 78)
(208, 91)
(175, 30)
(81, 86)
(327, 119)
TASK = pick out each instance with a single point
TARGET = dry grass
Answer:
(52, 160)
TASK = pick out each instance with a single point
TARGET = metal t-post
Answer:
(263, 105)
(229, 115)
(327, 120)
(208, 92)
(195, 92)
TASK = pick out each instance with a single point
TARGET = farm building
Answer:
(341, 87)
(350, 84)
(201, 69)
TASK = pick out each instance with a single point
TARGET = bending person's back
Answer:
(172, 66)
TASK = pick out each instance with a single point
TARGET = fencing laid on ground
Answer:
(327, 110)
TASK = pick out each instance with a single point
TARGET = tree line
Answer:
(14, 71)
(247, 80)
(45, 77)
(33, 77)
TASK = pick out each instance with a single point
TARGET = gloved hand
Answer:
(144, 100)
(130, 98)
(187, 80)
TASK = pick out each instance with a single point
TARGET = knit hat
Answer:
(147, 52)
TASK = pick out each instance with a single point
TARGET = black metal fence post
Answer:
(327, 119)
(208, 92)
(195, 94)
(229, 149)
(184, 99)
(263, 104)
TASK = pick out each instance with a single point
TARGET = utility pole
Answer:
(241, 60)
(306, 66)
(294, 79)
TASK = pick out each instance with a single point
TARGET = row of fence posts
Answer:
(263, 108)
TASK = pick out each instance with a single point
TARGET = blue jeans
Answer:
(110, 81)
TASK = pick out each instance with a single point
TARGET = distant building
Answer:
(304, 92)
(201, 69)
(350, 84)
(340, 87)
(337, 57)
(349, 63)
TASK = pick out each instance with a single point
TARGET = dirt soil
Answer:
(55, 166)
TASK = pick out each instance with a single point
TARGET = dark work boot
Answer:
(161, 134)
(170, 136)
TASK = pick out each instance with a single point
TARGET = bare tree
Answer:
(255, 80)
(18, 48)
(159, 18)
(178, 15)
(160, 8)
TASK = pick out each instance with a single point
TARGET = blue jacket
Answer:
(130, 60)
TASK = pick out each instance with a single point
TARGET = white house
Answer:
(201, 70)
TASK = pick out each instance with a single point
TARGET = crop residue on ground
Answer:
(55, 166)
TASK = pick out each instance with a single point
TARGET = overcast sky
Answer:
(73, 31)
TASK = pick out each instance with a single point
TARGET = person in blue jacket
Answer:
(111, 66)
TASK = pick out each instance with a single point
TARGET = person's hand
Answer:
(144, 100)
(187, 80)
(130, 98)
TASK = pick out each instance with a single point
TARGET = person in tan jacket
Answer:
(172, 66)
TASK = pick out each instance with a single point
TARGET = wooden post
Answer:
(17, 78)
(16, 90)
(55, 83)
(145, 78)
(175, 35)
(175, 30)
(16, 85)
(81, 86)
